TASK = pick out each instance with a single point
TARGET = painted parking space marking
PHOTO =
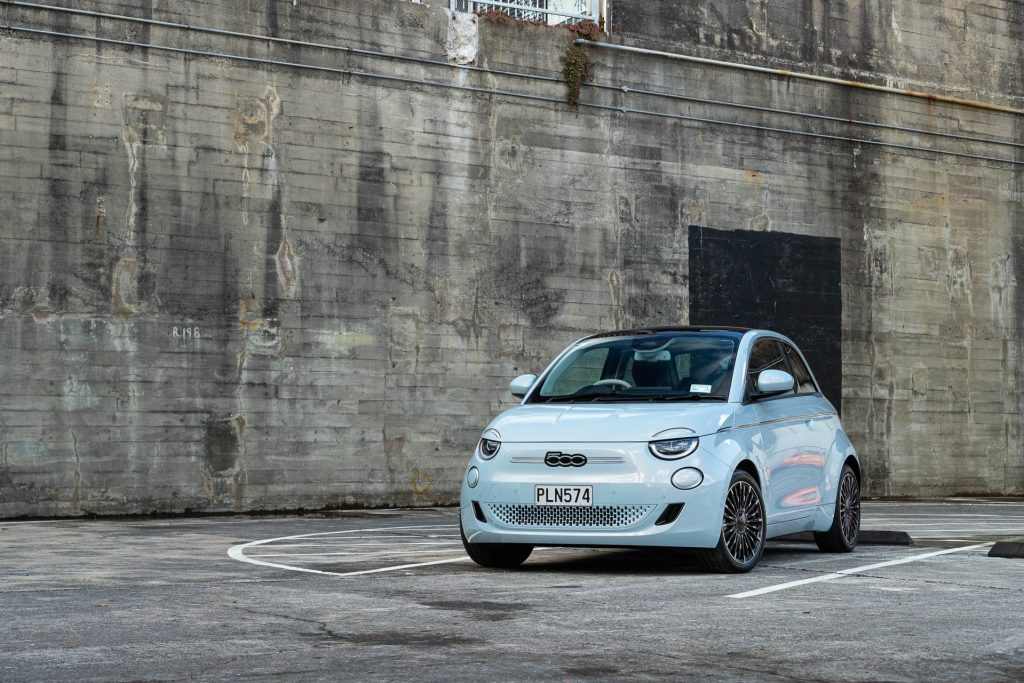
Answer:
(238, 552)
(854, 570)
(384, 548)
(348, 553)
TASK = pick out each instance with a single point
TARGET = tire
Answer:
(742, 539)
(842, 535)
(495, 555)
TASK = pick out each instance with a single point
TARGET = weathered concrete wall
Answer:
(245, 285)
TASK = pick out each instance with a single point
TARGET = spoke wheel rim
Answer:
(743, 523)
(849, 508)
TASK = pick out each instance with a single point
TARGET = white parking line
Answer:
(356, 553)
(237, 552)
(847, 572)
(327, 544)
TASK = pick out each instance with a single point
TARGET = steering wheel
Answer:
(613, 382)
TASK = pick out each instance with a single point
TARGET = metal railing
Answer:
(548, 11)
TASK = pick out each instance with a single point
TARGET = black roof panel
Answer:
(670, 328)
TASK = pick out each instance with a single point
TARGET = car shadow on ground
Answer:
(650, 561)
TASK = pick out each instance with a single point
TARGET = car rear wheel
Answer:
(842, 535)
(743, 528)
(495, 555)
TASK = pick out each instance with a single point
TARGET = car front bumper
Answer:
(631, 491)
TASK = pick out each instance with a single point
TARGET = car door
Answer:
(819, 416)
(793, 452)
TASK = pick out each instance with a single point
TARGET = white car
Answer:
(685, 437)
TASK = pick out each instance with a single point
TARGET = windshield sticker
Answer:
(700, 388)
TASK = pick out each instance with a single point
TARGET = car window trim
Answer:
(807, 368)
(794, 418)
(747, 397)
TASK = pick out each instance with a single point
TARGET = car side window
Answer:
(801, 376)
(765, 355)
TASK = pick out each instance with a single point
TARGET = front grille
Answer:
(607, 516)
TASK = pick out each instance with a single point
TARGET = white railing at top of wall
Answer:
(548, 11)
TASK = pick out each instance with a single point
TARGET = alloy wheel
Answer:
(849, 508)
(743, 522)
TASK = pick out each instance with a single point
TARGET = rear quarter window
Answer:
(801, 376)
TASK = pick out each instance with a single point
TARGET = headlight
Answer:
(489, 448)
(673, 449)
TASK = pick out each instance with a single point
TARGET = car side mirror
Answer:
(520, 386)
(772, 382)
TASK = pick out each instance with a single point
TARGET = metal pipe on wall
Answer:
(805, 76)
(271, 39)
(507, 93)
(515, 74)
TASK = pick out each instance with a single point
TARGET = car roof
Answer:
(670, 328)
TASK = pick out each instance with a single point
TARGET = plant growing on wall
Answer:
(576, 69)
(576, 65)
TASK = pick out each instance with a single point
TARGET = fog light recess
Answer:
(687, 478)
(473, 477)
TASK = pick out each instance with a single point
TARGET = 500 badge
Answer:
(559, 459)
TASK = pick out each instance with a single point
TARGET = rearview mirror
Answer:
(771, 382)
(520, 386)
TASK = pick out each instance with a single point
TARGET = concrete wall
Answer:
(235, 285)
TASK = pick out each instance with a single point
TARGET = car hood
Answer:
(576, 423)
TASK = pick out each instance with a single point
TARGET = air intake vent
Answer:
(670, 514)
(603, 516)
(478, 512)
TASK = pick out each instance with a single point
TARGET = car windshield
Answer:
(664, 366)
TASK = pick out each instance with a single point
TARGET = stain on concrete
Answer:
(260, 334)
(482, 610)
(254, 117)
(615, 290)
(145, 118)
(144, 126)
(394, 455)
(224, 473)
(287, 264)
(78, 395)
(422, 482)
(462, 42)
(124, 287)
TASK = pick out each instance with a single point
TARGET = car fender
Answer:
(839, 451)
(733, 446)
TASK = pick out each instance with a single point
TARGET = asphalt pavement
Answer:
(389, 595)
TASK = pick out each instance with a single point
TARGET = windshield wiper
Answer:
(572, 398)
(650, 398)
(684, 397)
(601, 397)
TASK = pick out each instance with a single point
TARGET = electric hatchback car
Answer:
(711, 438)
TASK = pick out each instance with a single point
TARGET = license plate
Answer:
(579, 496)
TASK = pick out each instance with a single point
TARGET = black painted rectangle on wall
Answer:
(778, 281)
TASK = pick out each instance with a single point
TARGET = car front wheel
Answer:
(495, 555)
(743, 528)
(843, 534)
